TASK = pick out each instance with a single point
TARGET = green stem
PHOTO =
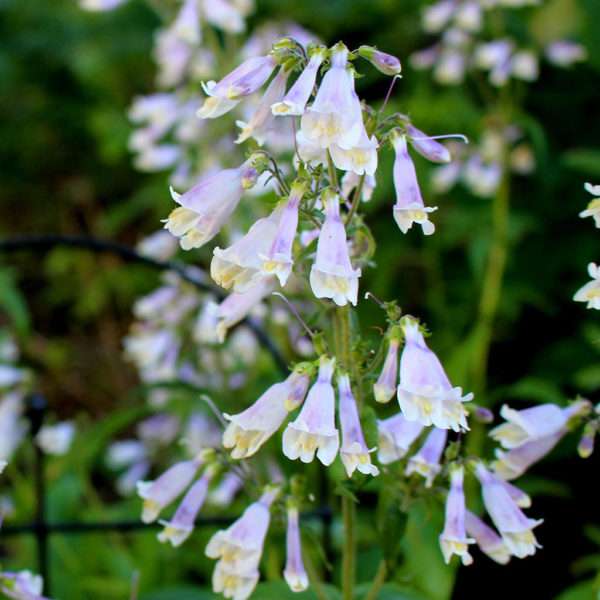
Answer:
(378, 581)
(355, 199)
(348, 556)
(333, 178)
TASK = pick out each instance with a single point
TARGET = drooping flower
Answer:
(239, 547)
(489, 542)
(262, 120)
(514, 527)
(294, 102)
(361, 158)
(294, 572)
(332, 275)
(250, 429)
(278, 260)
(314, 429)
(426, 462)
(590, 292)
(425, 394)
(383, 62)
(384, 389)
(409, 207)
(593, 208)
(396, 436)
(225, 491)
(354, 452)
(335, 116)
(207, 206)
(233, 583)
(161, 492)
(454, 540)
(238, 267)
(181, 525)
(426, 146)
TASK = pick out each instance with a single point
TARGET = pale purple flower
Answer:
(444, 177)
(12, 425)
(233, 583)
(454, 540)
(451, 66)
(226, 490)
(207, 206)
(437, 16)
(590, 292)
(314, 429)
(489, 542)
(383, 62)
(384, 389)
(181, 525)
(354, 452)
(56, 439)
(409, 207)
(161, 492)
(524, 65)
(294, 102)
(250, 429)
(160, 429)
(426, 146)
(294, 572)
(335, 116)
(564, 53)
(514, 527)
(425, 393)
(22, 585)
(173, 57)
(11, 375)
(238, 267)
(227, 15)
(332, 275)
(187, 23)
(426, 462)
(468, 16)
(396, 436)
(160, 245)
(278, 259)
(126, 483)
(483, 178)
(215, 106)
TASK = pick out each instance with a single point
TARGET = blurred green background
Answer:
(66, 80)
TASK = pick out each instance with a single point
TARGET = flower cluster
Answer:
(590, 292)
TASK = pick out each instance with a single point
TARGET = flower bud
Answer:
(383, 62)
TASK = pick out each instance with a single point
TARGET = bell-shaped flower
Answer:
(530, 424)
(426, 462)
(215, 106)
(262, 120)
(238, 267)
(250, 429)
(240, 546)
(454, 540)
(294, 572)
(187, 23)
(590, 292)
(425, 394)
(294, 102)
(207, 206)
(161, 492)
(354, 452)
(233, 583)
(335, 116)
(181, 525)
(314, 429)
(427, 147)
(396, 436)
(383, 62)
(360, 158)
(278, 260)
(514, 527)
(513, 463)
(409, 207)
(489, 542)
(332, 275)
(384, 389)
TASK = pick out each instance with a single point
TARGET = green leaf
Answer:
(581, 591)
(185, 592)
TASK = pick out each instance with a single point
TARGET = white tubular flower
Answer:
(294, 102)
(512, 464)
(206, 207)
(22, 585)
(489, 542)
(351, 180)
(590, 292)
(294, 572)
(360, 158)
(56, 439)
(425, 394)
(278, 259)
(239, 266)
(593, 208)
(396, 436)
(237, 306)
(409, 207)
(427, 147)
(514, 527)
(245, 79)
(354, 452)
(180, 527)
(335, 117)
(426, 462)
(262, 121)
(224, 15)
(187, 23)
(161, 492)
(215, 106)
(314, 429)
(384, 389)
(332, 275)
(453, 539)
(250, 429)
(232, 583)
(240, 546)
